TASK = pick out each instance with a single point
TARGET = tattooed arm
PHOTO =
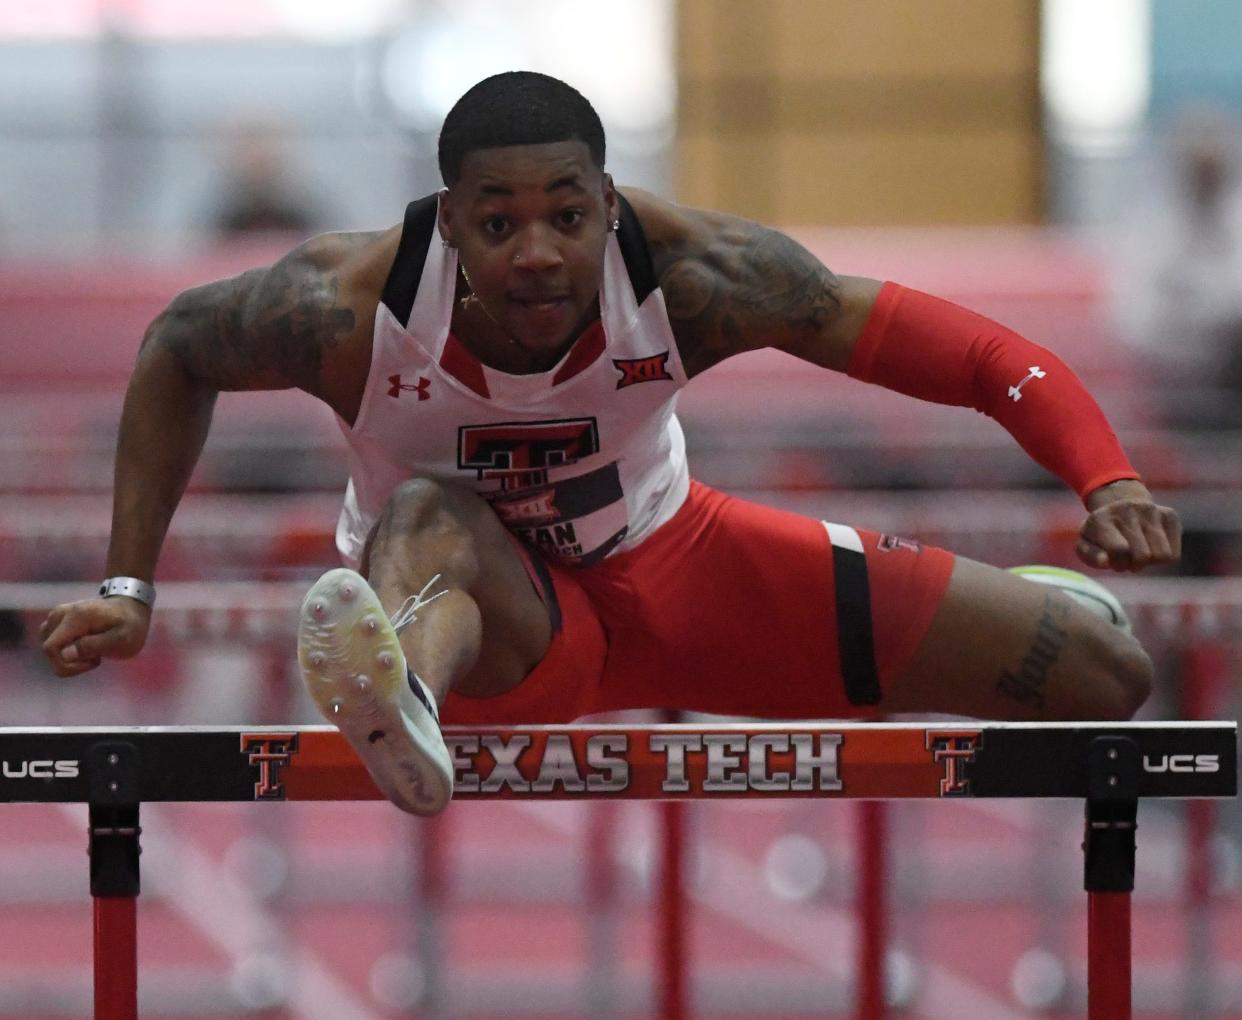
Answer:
(304, 322)
(732, 285)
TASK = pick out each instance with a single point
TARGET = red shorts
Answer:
(730, 608)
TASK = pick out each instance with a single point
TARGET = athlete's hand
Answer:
(1126, 530)
(77, 636)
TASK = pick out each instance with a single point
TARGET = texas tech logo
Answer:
(519, 454)
(955, 749)
(636, 370)
(271, 752)
(396, 387)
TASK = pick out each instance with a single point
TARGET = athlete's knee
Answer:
(431, 518)
(415, 505)
(1119, 674)
(1134, 675)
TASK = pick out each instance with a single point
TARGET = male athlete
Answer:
(528, 544)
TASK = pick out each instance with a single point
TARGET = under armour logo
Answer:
(395, 386)
(1035, 373)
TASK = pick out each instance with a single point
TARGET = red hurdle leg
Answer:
(871, 907)
(1108, 873)
(113, 849)
(672, 913)
(1108, 956)
(114, 885)
(116, 958)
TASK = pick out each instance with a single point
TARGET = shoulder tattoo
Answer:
(267, 328)
(750, 287)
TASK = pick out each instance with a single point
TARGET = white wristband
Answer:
(131, 587)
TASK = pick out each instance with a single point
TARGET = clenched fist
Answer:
(77, 636)
(1126, 530)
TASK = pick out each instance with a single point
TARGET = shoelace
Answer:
(407, 614)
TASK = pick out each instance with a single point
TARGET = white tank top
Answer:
(582, 460)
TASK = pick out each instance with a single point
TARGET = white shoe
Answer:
(355, 671)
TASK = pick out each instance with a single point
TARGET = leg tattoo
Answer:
(1026, 685)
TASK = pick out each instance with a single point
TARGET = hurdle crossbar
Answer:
(878, 761)
(1111, 766)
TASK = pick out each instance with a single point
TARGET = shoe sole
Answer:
(354, 670)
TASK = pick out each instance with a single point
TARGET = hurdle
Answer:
(1110, 767)
(259, 615)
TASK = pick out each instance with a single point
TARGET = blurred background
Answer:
(1069, 168)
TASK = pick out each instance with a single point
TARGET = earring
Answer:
(616, 224)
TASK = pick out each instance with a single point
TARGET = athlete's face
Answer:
(530, 223)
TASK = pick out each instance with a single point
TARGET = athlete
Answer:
(523, 539)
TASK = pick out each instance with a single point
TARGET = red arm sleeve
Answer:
(935, 350)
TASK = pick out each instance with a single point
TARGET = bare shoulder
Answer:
(733, 285)
(664, 222)
(304, 322)
(336, 271)
(361, 259)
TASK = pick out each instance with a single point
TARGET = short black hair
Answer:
(517, 108)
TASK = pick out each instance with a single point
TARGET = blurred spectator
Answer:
(1180, 283)
(260, 192)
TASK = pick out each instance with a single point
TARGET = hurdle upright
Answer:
(1111, 767)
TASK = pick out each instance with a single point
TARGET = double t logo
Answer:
(270, 751)
(955, 749)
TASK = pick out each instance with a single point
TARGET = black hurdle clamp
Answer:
(1113, 769)
(112, 777)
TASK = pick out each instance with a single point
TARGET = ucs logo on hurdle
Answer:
(41, 769)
